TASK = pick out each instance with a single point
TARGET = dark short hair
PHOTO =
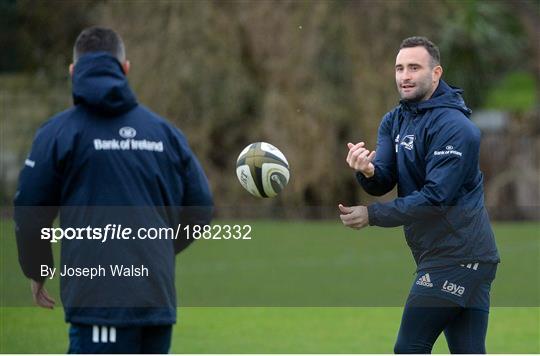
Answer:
(419, 41)
(99, 39)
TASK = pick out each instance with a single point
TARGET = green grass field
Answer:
(296, 287)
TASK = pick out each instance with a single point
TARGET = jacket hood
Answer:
(444, 96)
(100, 84)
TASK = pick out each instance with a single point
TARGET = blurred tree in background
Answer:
(307, 76)
(480, 42)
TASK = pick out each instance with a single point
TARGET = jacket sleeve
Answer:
(451, 153)
(36, 204)
(385, 176)
(197, 202)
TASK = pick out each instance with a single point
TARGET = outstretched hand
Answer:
(355, 217)
(40, 295)
(360, 159)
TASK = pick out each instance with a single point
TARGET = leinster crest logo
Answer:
(408, 142)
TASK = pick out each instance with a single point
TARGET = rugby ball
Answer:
(262, 170)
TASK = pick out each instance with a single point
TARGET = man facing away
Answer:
(428, 146)
(109, 162)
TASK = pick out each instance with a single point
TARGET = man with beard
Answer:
(428, 146)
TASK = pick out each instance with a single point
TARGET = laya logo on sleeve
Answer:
(448, 150)
(128, 143)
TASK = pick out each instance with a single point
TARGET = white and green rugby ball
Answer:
(262, 170)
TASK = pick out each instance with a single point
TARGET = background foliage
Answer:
(307, 76)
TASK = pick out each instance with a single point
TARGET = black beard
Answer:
(416, 99)
(413, 100)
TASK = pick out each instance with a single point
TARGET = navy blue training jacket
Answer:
(430, 149)
(109, 160)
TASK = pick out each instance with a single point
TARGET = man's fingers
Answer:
(346, 220)
(349, 155)
(42, 301)
(359, 144)
(349, 214)
(362, 155)
(40, 295)
(352, 149)
(46, 296)
(354, 217)
(49, 302)
(359, 158)
(349, 219)
(371, 156)
(354, 224)
(46, 304)
(357, 222)
(358, 149)
(345, 209)
(357, 153)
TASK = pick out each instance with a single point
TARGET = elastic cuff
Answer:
(361, 176)
(372, 214)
